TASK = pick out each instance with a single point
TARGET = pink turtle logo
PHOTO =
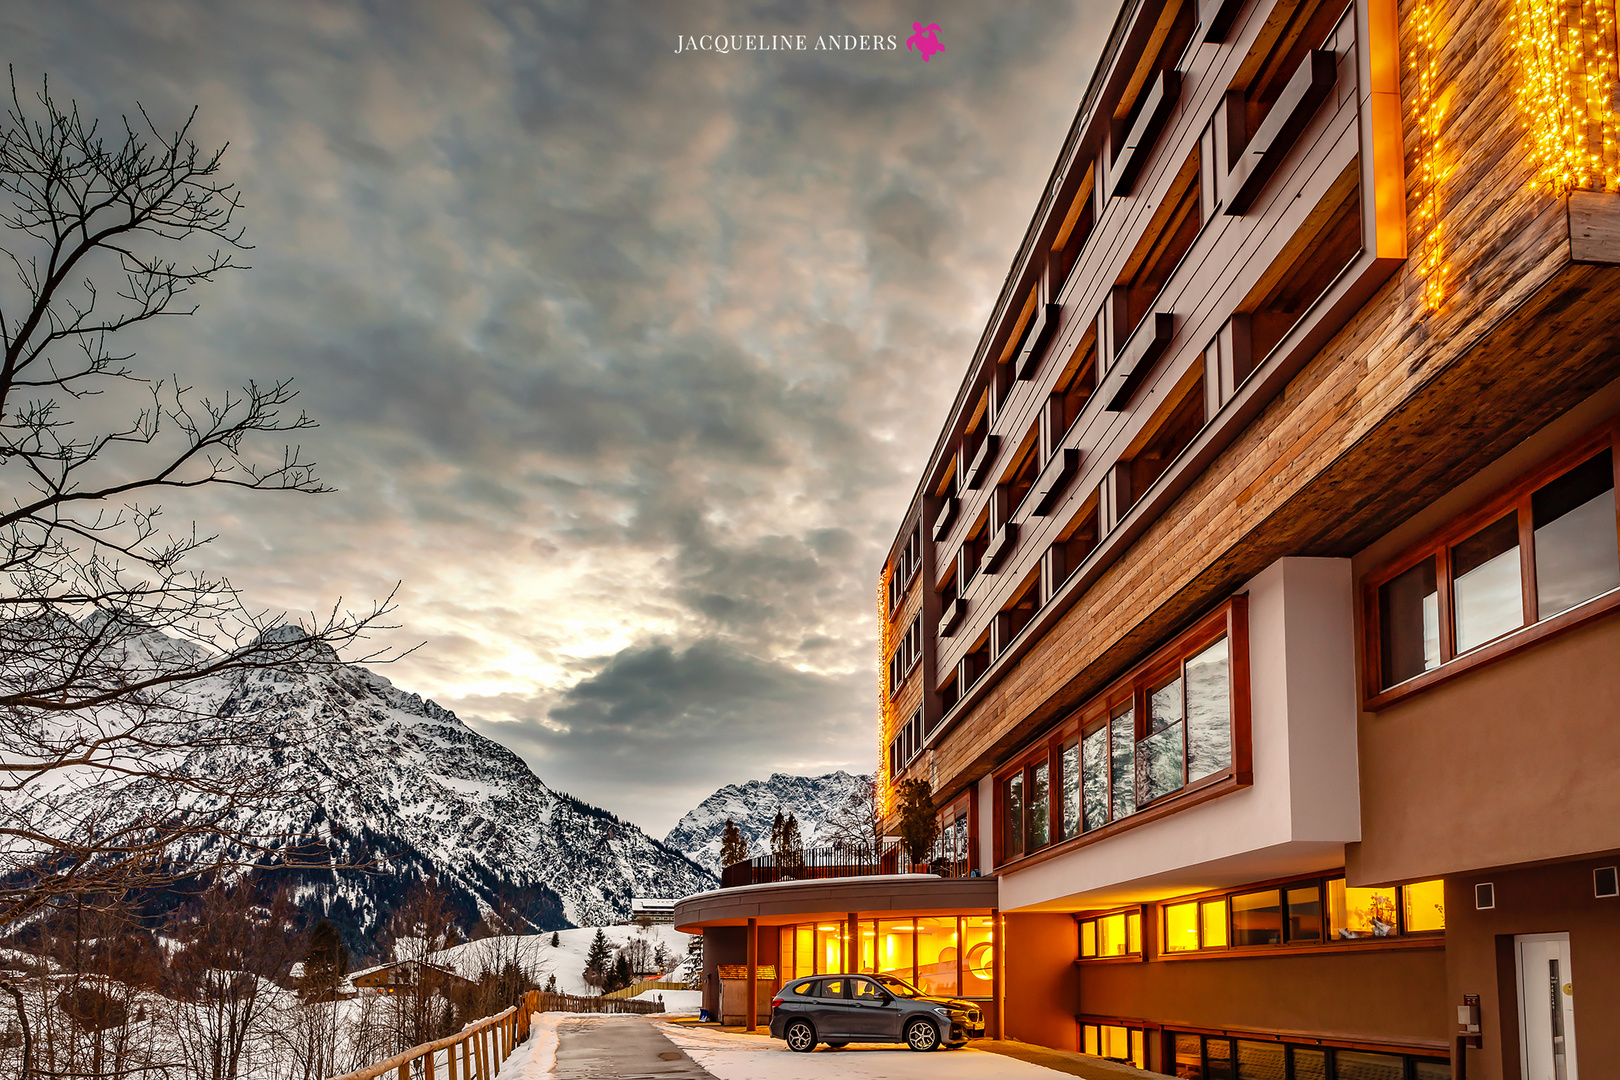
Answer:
(924, 40)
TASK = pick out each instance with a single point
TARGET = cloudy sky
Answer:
(625, 361)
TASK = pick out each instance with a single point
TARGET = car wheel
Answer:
(921, 1035)
(800, 1036)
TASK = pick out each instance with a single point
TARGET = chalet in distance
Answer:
(1255, 617)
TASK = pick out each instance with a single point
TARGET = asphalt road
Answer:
(620, 1048)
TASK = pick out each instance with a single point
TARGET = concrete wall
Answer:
(1515, 762)
(1043, 984)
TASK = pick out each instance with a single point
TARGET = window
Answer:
(1223, 1057)
(1114, 935)
(948, 955)
(955, 846)
(936, 956)
(1167, 238)
(1025, 471)
(1167, 435)
(1070, 825)
(907, 561)
(1116, 1042)
(1014, 814)
(907, 743)
(1305, 912)
(1534, 553)
(1175, 723)
(1078, 539)
(905, 656)
(1074, 387)
(1072, 236)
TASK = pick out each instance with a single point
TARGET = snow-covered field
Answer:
(676, 1002)
(536, 955)
(751, 1057)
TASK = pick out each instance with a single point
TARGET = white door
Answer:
(1546, 1007)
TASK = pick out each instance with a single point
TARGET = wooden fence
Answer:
(645, 985)
(482, 1046)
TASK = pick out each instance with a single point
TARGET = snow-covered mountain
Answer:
(396, 787)
(753, 807)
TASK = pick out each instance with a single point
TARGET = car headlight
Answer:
(943, 1011)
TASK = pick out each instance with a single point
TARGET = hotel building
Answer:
(1254, 619)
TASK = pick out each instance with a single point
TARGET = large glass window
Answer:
(1568, 524)
(1577, 556)
(1360, 913)
(1409, 623)
(1305, 913)
(1189, 1057)
(1039, 806)
(1094, 788)
(1162, 748)
(1209, 711)
(1181, 927)
(1257, 918)
(829, 948)
(804, 951)
(1260, 1060)
(1119, 934)
(1485, 583)
(978, 957)
(1356, 1065)
(1123, 769)
(937, 956)
(1212, 923)
(1013, 805)
(1425, 906)
(896, 948)
(1071, 790)
(1309, 1063)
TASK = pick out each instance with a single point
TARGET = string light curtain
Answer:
(885, 712)
(1427, 113)
(1566, 88)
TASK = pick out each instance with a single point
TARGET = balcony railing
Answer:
(838, 861)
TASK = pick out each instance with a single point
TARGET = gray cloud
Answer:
(625, 361)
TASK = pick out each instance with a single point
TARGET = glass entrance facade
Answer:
(948, 955)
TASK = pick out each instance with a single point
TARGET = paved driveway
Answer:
(728, 1056)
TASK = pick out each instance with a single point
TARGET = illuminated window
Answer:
(829, 948)
(937, 956)
(896, 948)
(1115, 1042)
(1119, 934)
(1360, 913)
(978, 956)
(1212, 921)
(1424, 906)
(1181, 927)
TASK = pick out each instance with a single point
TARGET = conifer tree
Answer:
(732, 847)
(778, 830)
(621, 976)
(694, 962)
(598, 962)
(919, 828)
(791, 859)
(556, 939)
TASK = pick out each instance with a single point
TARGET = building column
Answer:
(852, 958)
(997, 982)
(751, 1009)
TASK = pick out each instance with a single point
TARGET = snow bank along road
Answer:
(728, 1056)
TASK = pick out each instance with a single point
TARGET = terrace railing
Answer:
(838, 861)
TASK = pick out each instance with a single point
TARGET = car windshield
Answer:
(899, 987)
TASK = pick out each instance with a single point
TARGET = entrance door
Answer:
(1546, 1007)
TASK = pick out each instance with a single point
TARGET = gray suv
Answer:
(841, 1009)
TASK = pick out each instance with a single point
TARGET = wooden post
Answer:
(997, 1003)
(751, 1007)
(466, 1059)
(427, 1065)
(405, 1071)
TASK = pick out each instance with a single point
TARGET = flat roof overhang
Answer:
(793, 901)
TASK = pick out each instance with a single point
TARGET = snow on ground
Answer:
(676, 1002)
(750, 1057)
(537, 1056)
(535, 954)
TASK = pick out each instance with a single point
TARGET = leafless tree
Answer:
(107, 631)
(857, 822)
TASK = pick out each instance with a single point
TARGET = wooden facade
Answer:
(1365, 408)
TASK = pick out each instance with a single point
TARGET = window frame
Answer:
(1401, 939)
(1228, 620)
(1128, 956)
(1516, 497)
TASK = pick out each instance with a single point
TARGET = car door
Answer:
(874, 1014)
(834, 1010)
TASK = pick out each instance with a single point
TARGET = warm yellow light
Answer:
(1427, 114)
(885, 794)
(1566, 58)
